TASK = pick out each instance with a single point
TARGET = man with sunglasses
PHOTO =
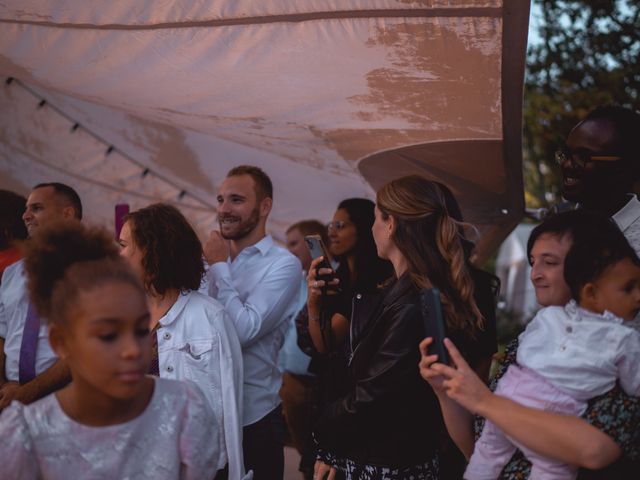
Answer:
(600, 165)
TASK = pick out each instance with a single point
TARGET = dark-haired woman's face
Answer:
(130, 251)
(547, 269)
(342, 234)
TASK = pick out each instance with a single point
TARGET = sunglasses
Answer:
(581, 157)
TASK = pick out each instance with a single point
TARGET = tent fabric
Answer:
(331, 98)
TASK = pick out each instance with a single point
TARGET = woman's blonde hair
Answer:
(432, 243)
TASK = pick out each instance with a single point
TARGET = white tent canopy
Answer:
(331, 98)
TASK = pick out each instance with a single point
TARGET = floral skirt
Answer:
(357, 471)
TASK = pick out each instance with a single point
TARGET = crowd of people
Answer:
(158, 356)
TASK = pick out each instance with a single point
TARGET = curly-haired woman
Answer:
(192, 337)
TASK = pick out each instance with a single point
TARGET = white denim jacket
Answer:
(197, 342)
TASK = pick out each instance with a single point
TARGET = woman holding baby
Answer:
(594, 374)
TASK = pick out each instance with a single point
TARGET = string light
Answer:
(111, 148)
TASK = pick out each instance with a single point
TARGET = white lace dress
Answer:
(174, 438)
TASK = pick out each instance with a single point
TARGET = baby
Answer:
(568, 355)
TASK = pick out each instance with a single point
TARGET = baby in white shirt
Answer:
(568, 355)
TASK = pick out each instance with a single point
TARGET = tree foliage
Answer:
(586, 53)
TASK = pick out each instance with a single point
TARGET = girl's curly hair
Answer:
(67, 258)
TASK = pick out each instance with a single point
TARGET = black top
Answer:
(390, 415)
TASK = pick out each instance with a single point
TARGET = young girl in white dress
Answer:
(112, 420)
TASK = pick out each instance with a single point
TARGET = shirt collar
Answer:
(575, 311)
(263, 246)
(628, 214)
(176, 309)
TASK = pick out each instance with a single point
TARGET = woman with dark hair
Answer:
(360, 267)
(192, 337)
(387, 424)
(359, 271)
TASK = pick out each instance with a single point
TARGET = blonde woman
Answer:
(388, 425)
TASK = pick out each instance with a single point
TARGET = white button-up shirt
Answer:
(197, 342)
(580, 352)
(628, 220)
(14, 303)
(259, 290)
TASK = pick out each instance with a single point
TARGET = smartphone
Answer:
(434, 323)
(318, 249)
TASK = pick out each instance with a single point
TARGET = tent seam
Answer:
(492, 12)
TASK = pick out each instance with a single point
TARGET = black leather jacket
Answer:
(390, 416)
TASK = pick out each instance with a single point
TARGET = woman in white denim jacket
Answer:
(193, 338)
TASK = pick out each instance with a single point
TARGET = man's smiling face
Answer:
(44, 206)
(238, 207)
(588, 183)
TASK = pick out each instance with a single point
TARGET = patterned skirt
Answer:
(352, 470)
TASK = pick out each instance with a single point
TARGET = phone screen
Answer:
(317, 248)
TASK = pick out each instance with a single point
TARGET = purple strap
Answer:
(29, 346)
(154, 368)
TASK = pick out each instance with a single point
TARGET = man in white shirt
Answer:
(29, 369)
(257, 282)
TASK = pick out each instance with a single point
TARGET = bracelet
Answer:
(314, 319)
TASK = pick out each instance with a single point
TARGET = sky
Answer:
(535, 18)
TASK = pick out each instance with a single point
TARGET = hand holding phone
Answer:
(434, 325)
(318, 249)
